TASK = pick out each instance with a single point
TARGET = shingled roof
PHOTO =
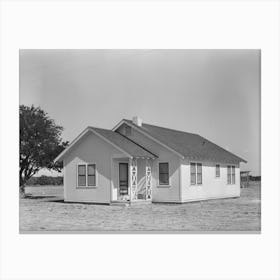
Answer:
(124, 143)
(187, 144)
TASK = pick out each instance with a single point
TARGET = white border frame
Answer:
(206, 24)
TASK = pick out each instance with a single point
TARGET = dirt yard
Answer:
(45, 210)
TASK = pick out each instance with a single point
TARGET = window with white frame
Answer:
(218, 170)
(91, 175)
(193, 173)
(196, 173)
(82, 175)
(163, 173)
(86, 175)
(199, 173)
(231, 175)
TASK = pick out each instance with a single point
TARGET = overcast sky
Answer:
(215, 93)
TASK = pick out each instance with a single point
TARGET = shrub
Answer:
(45, 180)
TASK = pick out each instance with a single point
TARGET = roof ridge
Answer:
(164, 127)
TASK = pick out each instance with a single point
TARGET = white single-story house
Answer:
(139, 162)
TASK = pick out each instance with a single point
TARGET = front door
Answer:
(123, 179)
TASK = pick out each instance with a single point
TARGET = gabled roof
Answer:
(117, 140)
(124, 143)
(188, 145)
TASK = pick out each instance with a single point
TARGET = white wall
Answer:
(211, 187)
(91, 148)
(159, 193)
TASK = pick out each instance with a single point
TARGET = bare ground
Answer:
(45, 210)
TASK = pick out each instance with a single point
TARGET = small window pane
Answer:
(91, 180)
(233, 175)
(199, 168)
(217, 170)
(91, 169)
(229, 174)
(82, 169)
(193, 169)
(163, 167)
(199, 178)
(163, 179)
(193, 179)
(81, 180)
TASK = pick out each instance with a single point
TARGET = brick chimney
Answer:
(137, 121)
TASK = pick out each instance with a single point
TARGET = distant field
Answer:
(46, 211)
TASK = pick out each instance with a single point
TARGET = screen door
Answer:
(123, 178)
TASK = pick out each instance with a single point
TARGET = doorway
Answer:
(123, 179)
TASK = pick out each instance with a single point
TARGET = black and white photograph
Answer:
(140, 140)
(146, 139)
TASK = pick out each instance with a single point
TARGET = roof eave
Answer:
(237, 160)
(61, 155)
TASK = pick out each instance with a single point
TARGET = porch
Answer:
(131, 180)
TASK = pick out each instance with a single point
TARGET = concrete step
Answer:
(140, 201)
(120, 203)
(127, 202)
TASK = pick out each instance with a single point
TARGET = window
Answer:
(86, 175)
(163, 176)
(199, 173)
(196, 173)
(218, 170)
(91, 175)
(82, 175)
(193, 173)
(233, 175)
(229, 174)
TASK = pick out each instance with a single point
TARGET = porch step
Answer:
(127, 203)
(140, 201)
(120, 203)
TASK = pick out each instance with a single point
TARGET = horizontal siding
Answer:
(211, 187)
